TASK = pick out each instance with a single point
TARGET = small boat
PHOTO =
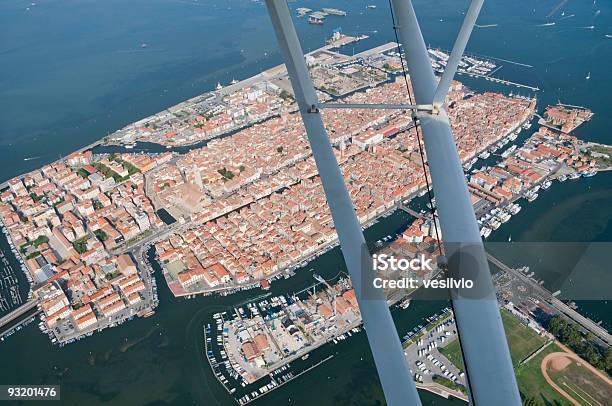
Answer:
(484, 154)
(514, 208)
(588, 174)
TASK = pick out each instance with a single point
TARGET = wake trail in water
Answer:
(556, 8)
(566, 17)
(31, 158)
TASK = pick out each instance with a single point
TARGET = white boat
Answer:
(507, 152)
(494, 224)
(588, 174)
(503, 216)
(546, 184)
(514, 208)
(485, 232)
(531, 197)
(484, 154)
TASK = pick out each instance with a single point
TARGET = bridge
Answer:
(547, 297)
(412, 212)
(18, 312)
(541, 292)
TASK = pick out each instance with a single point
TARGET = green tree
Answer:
(101, 235)
(533, 401)
(227, 174)
(40, 240)
(80, 245)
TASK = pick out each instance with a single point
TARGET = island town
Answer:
(245, 205)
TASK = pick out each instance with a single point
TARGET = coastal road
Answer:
(547, 297)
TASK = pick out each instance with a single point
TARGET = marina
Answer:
(233, 371)
(11, 262)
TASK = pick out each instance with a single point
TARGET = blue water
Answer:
(73, 71)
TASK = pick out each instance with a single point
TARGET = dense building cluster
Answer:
(68, 219)
(208, 115)
(275, 215)
(544, 153)
(566, 118)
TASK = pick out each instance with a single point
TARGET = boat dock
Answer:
(292, 378)
(502, 81)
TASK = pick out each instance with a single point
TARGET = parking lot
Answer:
(424, 358)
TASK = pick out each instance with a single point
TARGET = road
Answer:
(547, 297)
(18, 312)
